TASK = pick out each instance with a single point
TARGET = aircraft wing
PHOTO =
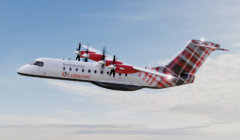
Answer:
(91, 49)
(122, 67)
(150, 71)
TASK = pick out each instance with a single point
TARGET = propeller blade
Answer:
(103, 57)
(112, 72)
(78, 49)
(78, 58)
(79, 46)
(114, 59)
(86, 58)
(103, 53)
(87, 51)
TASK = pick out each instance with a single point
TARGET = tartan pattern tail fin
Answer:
(191, 58)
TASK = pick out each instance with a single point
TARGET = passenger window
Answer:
(70, 69)
(126, 74)
(76, 69)
(107, 72)
(64, 68)
(101, 72)
(120, 74)
(89, 71)
(95, 71)
(82, 70)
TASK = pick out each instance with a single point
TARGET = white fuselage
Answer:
(82, 71)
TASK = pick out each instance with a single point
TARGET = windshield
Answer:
(37, 63)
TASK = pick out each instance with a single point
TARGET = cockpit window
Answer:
(38, 63)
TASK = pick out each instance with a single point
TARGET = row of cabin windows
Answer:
(89, 71)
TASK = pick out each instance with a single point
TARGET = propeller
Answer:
(103, 57)
(86, 58)
(113, 68)
(78, 52)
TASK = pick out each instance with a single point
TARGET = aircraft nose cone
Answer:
(22, 70)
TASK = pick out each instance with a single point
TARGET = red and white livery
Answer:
(108, 72)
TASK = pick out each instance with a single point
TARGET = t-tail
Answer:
(187, 63)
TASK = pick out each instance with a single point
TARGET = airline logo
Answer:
(75, 76)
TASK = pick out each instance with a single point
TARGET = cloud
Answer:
(214, 95)
(86, 89)
(141, 131)
(79, 126)
(237, 45)
(6, 119)
(78, 99)
(117, 132)
(113, 129)
(70, 113)
(119, 113)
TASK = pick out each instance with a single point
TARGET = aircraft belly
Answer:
(129, 83)
(116, 86)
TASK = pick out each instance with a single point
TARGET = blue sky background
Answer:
(139, 32)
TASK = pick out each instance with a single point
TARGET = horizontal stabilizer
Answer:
(207, 44)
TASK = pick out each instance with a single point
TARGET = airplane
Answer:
(108, 72)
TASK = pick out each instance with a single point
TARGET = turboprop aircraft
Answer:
(108, 72)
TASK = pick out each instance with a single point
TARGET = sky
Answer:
(139, 32)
